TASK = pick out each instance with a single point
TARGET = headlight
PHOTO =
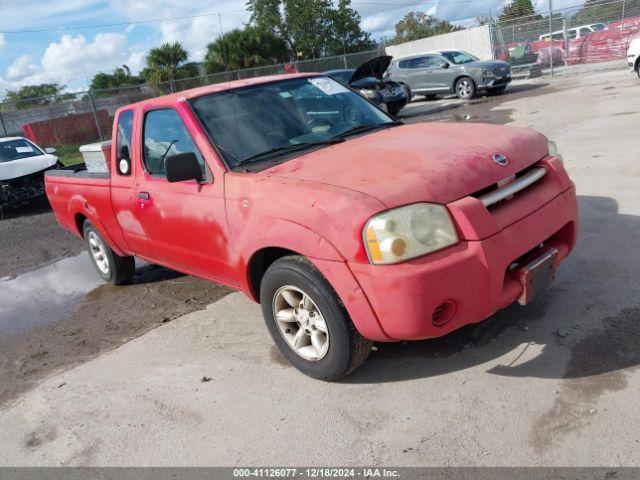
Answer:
(369, 93)
(408, 232)
(553, 150)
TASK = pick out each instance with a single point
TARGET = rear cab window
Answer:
(165, 134)
(123, 142)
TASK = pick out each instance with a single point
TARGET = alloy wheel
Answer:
(465, 88)
(300, 323)
(98, 252)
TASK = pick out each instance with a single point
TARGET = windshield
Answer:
(17, 149)
(459, 58)
(276, 118)
(343, 76)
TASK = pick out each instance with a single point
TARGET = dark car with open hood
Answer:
(368, 80)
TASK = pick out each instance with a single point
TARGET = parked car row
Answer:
(391, 83)
(590, 43)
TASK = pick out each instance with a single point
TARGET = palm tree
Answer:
(167, 63)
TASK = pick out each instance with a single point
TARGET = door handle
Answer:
(143, 195)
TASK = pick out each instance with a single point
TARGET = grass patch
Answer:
(69, 154)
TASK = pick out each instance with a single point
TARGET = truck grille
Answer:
(506, 190)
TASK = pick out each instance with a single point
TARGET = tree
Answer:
(348, 36)
(32, 95)
(246, 48)
(168, 62)
(311, 28)
(416, 25)
(602, 11)
(121, 77)
(514, 11)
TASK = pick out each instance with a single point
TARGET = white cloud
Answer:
(21, 68)
(3, 42)
(71, 58)
(76, 54)
(136, 61)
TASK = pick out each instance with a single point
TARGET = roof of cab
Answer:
(218, 87)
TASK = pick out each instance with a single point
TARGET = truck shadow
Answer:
(585, 324)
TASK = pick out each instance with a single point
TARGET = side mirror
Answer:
(182, 167)
(444, 65)
(50, 150)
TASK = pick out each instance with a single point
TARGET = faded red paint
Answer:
(317, 204)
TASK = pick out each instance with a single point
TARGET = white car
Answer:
(22, 167)
(633, 56)
(575, 32)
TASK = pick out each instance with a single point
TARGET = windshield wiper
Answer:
(289, 148)
(367, 128)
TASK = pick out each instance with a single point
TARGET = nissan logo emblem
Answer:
(500, 159)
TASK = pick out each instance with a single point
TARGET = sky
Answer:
(46, 41)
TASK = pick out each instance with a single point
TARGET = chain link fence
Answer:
(593, 32)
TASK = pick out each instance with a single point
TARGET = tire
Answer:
(466, 88)
(408, 92)
(393, 112)
(318, 336)
(110, 266)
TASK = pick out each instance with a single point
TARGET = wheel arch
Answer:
(79, 220)
(265, 241)
(81, 217)
(258, 264)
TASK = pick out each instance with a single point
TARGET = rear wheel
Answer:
(308, 321)
(465, 88)
(110, 266)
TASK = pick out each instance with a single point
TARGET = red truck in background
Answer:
(346, 225)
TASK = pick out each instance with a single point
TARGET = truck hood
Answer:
(429, 162)
(26, 166)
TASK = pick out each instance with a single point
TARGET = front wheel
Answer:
(110, 266)
(465, 88)
(407, 92)
(308, 322)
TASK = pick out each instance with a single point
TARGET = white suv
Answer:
(633, 55)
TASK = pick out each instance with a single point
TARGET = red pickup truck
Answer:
(346, 225)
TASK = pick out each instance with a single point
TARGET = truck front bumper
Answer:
(430, 296)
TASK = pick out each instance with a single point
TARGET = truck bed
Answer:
(78, 170)
(74, 189)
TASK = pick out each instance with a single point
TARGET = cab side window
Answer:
(123, 142)
(420, 62)
(165, 134)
